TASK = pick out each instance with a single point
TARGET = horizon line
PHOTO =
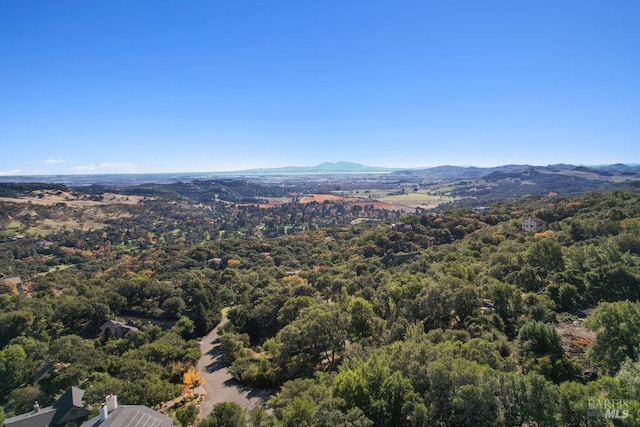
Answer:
(279, 169)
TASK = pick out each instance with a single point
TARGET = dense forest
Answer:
(357, 316)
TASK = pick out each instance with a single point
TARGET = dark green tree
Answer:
(618, 334)
(225, 414)
(187, 415)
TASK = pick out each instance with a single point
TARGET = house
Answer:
(118, 329)
(487, 306)
(401, 226)
(15, 284)
(113, 415)
(480, 209)
(69, 407)
(532, 224)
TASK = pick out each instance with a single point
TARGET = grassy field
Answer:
(88, 214)
(56, 268)
(409, 199)
(417, 200)
(49, 198)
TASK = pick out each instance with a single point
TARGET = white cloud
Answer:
(105, 168)
(85, 168)
(12, 172)
(52, 162)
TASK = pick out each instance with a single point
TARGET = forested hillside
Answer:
(449, 318)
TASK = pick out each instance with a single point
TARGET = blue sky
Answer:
(172, 86)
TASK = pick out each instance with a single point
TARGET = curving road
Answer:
(219, 385)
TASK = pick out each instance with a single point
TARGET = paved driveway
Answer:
(219, 385)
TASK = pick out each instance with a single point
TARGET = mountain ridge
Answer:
(435, 173)
(325, 167)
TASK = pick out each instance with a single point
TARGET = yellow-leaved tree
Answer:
(190, 380)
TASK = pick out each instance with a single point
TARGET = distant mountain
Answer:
(454, 173)
(322, 168)
(447, 173)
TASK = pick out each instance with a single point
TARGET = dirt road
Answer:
(219, 385)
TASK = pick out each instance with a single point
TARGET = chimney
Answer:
(103, 413)
(36, 406)
(112, 402)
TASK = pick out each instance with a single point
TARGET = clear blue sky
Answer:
(186, 85)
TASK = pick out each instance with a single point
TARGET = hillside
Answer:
(437, 309)
(458, 186)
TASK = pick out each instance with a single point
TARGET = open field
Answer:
(391, 199)
(49, 198)
(70, 212)
(47, 226)
(383, 199)
(320, 198)
(417, 200)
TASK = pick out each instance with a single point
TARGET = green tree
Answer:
(434, 306)
(300, 413)
(99, 384)
(617, 326)
(572, 404)
(508, 305)
(290, 310)
(309, 402)
(540, 349)
(364, 322)
(539, 339)
(14, 324)
(319, 334)
(14, 367)
(630, 375)
(174, 306)
(527, 399)
(259, 417)
(21, 399)
(150, 390)
(225, 414)
(546, 255)
(73, 349)
(385, 396)
(447, 378)
(231, 344)
(332, 412)
(474, 405)
(187, 415)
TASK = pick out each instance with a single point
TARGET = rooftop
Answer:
(34, 418)
(131, 416)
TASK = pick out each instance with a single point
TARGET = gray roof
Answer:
(131, 416)
(71, 397)
(32, 419)
(68, 407)
(116, 324)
